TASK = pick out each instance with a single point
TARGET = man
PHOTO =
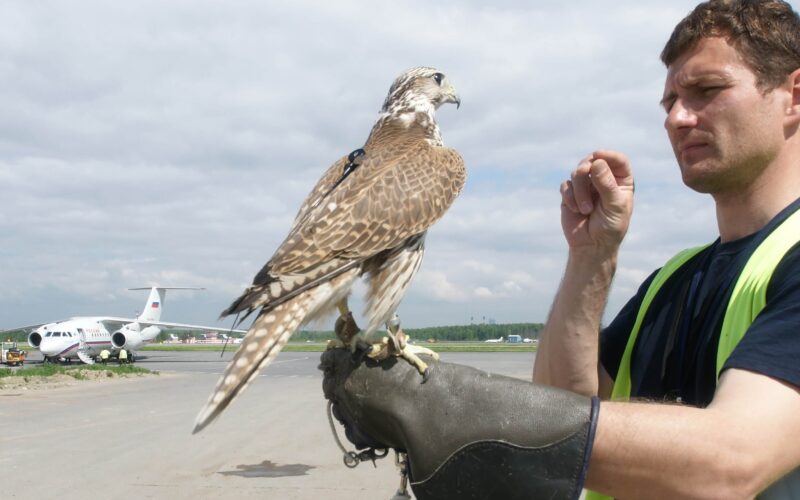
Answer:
(716, 330)
(732, 98)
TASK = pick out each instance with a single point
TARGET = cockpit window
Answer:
(57, 334)
(48, 334)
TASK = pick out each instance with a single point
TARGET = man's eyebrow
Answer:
(695, 80)
(667, 98)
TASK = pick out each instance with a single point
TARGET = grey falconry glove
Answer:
(468, 434)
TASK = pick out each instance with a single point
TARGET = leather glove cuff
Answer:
(494, 469)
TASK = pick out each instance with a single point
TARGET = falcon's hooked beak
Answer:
(450, 95)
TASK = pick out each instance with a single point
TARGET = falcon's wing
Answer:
(324, 185)
(396, 193)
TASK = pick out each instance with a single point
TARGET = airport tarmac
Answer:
(132, 437)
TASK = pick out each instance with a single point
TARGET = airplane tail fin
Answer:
(155, 302)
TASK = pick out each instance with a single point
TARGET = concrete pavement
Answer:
(132, 437)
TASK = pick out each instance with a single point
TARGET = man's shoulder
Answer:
(786, 276)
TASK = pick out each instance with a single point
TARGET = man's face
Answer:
(723, 129)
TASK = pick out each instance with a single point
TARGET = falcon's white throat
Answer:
(420, 110)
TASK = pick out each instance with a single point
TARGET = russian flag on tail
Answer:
(154, 305)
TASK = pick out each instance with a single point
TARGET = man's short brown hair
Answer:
(765, 33)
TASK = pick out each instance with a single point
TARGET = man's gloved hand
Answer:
(468, 433)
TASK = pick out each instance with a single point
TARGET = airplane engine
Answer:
(34, 339)
(131, 338)
(126, 338)
(150, 333)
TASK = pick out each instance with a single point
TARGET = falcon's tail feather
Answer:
(265, 339)
(267, 336)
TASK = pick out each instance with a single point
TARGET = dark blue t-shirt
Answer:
(675, 353)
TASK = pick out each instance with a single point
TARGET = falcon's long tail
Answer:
(265, 339)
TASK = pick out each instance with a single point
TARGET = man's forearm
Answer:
(568, 347)
(734, 448)
(645, 450)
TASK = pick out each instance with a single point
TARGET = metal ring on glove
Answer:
(351, 458)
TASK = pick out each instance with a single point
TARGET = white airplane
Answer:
(495, 341)
(85, 337)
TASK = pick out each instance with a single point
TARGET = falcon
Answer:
(366, 217)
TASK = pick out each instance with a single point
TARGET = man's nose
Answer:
(680, 116)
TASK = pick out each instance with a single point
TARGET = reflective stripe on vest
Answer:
(622, 384)
(747, 300)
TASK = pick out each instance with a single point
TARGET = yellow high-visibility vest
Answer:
(747, 300)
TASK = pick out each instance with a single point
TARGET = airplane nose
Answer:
(48, 347)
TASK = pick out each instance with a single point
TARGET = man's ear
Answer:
(793, 111)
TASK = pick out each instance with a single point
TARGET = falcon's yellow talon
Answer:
(334, 344)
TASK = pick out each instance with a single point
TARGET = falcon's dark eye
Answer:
(438, 78)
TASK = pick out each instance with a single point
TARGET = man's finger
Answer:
(604, 182)
(581, 187)
(568, 197)
(619, 165)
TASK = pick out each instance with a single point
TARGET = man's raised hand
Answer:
(597, 201)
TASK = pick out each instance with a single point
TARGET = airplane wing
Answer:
(182, 326)
(113, 324)
(114, 321)
(27, 327)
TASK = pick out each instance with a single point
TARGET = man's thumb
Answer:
(604, 182)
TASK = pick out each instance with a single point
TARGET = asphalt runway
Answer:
(132, 437)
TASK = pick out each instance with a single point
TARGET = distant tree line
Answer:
(475, 333)
(479, 332)
(19, 336)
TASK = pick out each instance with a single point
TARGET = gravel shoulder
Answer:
(91, 377)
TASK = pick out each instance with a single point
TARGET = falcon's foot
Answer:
(400, 347)
(346, 331)
(395, 344)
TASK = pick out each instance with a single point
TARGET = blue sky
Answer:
(172, 142)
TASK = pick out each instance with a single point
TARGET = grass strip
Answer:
(319, 347)
(76, 372)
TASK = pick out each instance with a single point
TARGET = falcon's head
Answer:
(419, 90)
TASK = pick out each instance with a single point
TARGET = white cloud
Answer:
(437, 286)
